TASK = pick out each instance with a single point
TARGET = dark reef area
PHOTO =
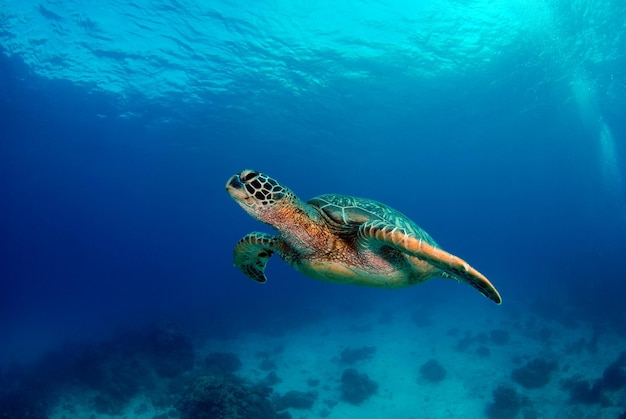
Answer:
(353, 355)
(432, 371)
(535, 374)
(221, 397)
(506, 404)
(159, 363)
(356, 387)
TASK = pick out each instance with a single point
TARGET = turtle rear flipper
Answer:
(252, 253)
(453, 266)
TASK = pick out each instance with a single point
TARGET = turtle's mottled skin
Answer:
(341, 239)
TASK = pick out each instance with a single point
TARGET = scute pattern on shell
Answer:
(349, 212)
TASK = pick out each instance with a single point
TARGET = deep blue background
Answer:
(110, 222)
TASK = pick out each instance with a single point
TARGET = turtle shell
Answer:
(347, 213)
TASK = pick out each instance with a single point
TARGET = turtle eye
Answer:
(246, 175)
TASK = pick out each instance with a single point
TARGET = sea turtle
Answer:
(342, 239)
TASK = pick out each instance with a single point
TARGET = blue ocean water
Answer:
(497, 125)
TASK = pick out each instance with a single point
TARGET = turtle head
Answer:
(259, 195)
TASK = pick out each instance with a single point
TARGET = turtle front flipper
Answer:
(404, 241)
(252, 253)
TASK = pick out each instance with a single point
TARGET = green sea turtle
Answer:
(342, 239)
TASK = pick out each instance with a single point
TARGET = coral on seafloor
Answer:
(356, 387)
(432, 371)
(295, 400)
(535, 374)
(614, 376)
(584, 391)
(226, 398)
(352, 355)
(506, 403)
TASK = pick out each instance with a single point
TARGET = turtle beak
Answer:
(234, 182)
(235, 188)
